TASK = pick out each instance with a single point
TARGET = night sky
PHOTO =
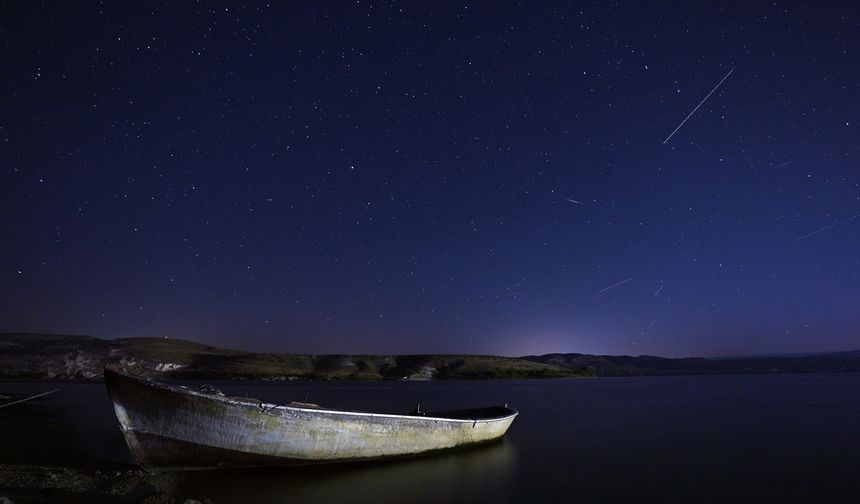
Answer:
(333, 177)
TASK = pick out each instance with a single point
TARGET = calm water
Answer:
(786, 438)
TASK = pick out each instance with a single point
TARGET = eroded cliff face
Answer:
(70, 357)
(51, 356)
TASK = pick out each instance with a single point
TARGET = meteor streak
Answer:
(697, 106)
(825, 228)
(615, 285)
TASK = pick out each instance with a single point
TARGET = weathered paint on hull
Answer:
(173, 427)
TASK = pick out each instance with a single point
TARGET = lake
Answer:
(787, 438)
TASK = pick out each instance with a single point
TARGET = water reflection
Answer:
(675, 439)
(479, 474)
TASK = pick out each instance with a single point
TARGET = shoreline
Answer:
(23, 483)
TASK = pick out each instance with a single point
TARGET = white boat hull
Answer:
(173, 427)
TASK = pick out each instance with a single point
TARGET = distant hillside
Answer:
(645, 365)
(69, 356)
(66, 356)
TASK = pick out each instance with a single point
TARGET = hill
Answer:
(69, 356)
(646, 365)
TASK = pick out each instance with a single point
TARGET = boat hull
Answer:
(173, 427)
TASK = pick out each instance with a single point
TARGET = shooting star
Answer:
(576, 202)
(825, 228)
(697, 106)
(615, 285)
(783, 164)
(658, 290)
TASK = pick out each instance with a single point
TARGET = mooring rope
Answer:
(74, 383)
(29, 398)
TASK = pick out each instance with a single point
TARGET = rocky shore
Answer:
(38, 484)
(44, 460)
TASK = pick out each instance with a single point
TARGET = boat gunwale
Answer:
(265, 407)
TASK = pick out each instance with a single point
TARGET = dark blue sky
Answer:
(405, 177)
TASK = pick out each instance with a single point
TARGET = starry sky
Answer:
(481, 177)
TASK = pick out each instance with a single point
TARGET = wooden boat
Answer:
(172, 427)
